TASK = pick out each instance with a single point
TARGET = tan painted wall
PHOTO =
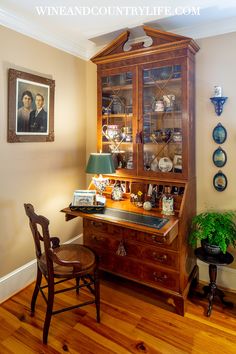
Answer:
(216, 65)
(44, 174)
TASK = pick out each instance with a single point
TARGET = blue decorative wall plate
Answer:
(219, 134)
(219, 157)
(220, 181)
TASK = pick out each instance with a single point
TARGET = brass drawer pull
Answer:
(96, 223)
(161, 258)
(97, 238)
(160, 278)
(121, 251)
(157, 239)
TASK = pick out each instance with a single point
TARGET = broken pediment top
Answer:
(154, 38)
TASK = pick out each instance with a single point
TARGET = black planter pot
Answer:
(210, 249)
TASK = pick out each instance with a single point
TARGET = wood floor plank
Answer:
(131, 322)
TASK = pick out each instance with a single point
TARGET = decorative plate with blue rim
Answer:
(219, 157)
(219, 134)
(220, 181)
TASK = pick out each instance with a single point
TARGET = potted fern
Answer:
(215, 230)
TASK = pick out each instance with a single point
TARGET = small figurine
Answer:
(167, 202)
(117, 192)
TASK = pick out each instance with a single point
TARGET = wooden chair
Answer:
(59, 263)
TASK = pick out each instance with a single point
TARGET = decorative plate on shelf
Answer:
(165, 164)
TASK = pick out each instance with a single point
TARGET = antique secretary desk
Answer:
(146, 120)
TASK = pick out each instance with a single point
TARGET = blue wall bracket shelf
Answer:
(218, 103)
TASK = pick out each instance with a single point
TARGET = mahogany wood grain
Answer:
(161, 259)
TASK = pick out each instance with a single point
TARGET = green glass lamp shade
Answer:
(100, 163)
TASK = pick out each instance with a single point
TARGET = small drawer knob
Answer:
(157, 239)
(96, 223)
(160, 278)
(160, 258)
(97, 238)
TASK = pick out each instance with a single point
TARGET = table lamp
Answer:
(100, 163)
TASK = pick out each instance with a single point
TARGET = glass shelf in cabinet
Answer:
(154, 83)
(122, 115)
(167, 114)
(121, 143)
(117, 88)
(161, 143)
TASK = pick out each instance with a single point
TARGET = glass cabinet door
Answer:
(162, 119)
(117, 118)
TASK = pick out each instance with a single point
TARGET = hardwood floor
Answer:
(131, 322)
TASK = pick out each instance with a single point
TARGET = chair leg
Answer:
(36, 290)
(49, 311)
(97, 293)
(77, 285)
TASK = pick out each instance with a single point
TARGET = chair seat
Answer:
(71, 252)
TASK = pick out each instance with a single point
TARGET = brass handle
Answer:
(97, 238)
(160, 278)
(121, 251)
(161, 258)
(157, 239)
(96, 223)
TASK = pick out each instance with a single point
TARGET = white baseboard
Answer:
(226, 277)
(21, 277)
(76, 239)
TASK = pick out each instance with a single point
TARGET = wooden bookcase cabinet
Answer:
(132, 126)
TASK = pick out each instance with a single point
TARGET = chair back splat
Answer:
(59, 263)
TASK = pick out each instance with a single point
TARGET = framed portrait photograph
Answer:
(30, 107)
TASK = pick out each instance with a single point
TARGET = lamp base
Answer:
(100, 183)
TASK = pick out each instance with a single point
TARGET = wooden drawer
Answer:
(110, 243)
(160, 256)
(157, 240)
(127, 267)
(97, 239)
(130, 234)
(106, 261)
(161, 277)
(132, 249)
(115, 230)
(95, 225)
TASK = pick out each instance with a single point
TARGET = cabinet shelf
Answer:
(155, 83)
(123, 143)
(167, 115)
(122, 115)
(161, 143)
(117, 88)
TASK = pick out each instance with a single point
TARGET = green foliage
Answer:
(217, 228)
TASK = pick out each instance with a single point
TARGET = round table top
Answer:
(219, 259)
